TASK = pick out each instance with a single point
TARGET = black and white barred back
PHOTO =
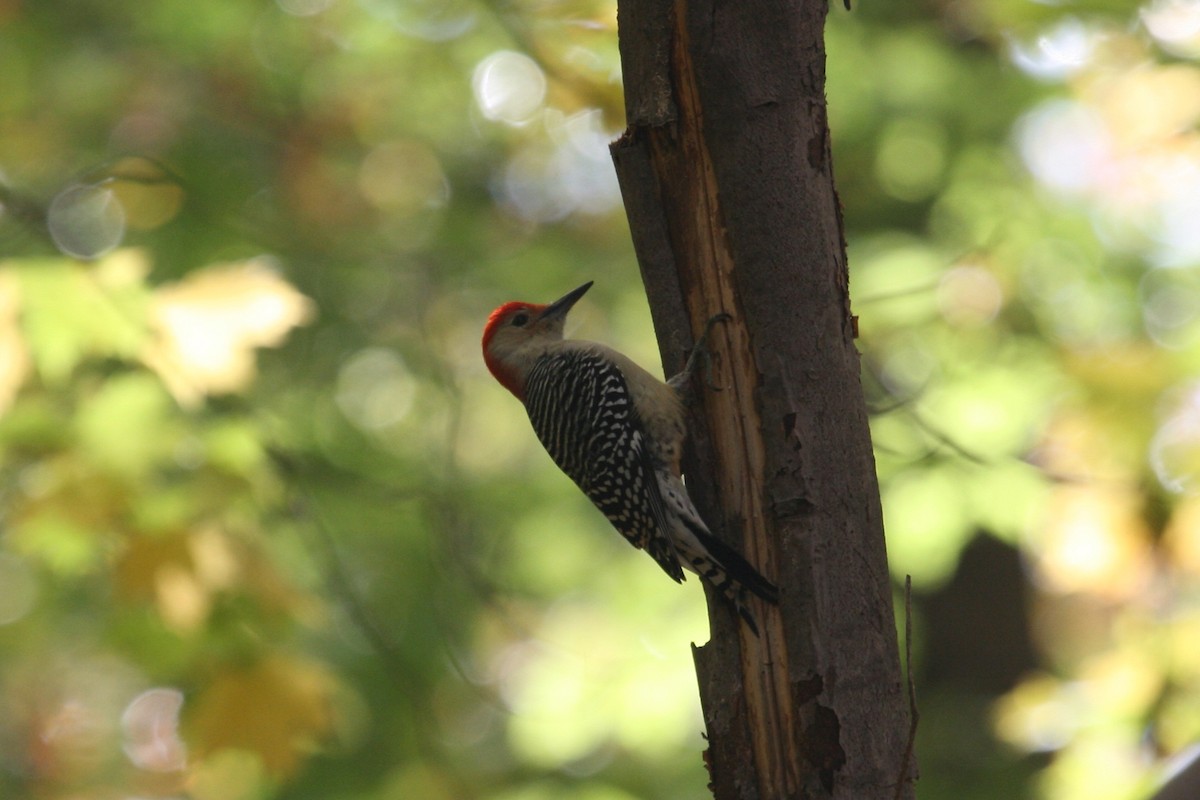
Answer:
(583, 413)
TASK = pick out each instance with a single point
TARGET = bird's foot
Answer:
(700, 355)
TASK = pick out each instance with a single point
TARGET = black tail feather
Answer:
(747, 616)
(738, 568)
(732, 575)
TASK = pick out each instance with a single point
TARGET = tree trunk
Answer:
(727, 179)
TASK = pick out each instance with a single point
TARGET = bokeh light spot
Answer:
(969, 296)
(911, 158)
(404, 177)
(509, 87)
(1171, 307)
(375, 389)
(151, 727)
(1056, 54)
(432, 20)
(86, 221)
(1175, 24)
(575, 175)
(1065, 145)
(1175, 448)
(906, 365)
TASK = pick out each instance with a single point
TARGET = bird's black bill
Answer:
(562, 305)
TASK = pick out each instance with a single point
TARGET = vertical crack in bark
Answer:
(699, 237)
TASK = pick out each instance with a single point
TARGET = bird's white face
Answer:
(517, 334)
(515, 327)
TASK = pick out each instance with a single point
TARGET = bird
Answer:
(617, 431)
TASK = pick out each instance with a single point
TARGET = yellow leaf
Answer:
(180, 574)
(1181, 539)
(1093, 539)
(228, 775)
(148, 195)
(208, 325)
(279, 709)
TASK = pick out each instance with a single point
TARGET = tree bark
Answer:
(726, 173)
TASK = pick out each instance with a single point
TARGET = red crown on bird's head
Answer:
(511, 314)
(503, 315)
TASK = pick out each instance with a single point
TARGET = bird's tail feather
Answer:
(729, 573)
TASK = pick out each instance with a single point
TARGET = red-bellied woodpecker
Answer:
(618, 432)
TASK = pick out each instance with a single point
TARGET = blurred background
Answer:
(270, 531)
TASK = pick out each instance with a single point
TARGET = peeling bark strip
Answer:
(726, 174)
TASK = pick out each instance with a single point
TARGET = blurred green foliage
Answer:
(270, 531)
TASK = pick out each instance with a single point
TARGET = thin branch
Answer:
(913, 714)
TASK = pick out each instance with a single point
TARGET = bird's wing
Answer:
(583, 413)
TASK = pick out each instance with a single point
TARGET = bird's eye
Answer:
(520, 319)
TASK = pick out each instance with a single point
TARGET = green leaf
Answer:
(73, 311)
(126, 427)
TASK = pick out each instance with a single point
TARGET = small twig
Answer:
(896, 294)
(914, 715)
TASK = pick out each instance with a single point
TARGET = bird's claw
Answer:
(723, 316)
(700, 352)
